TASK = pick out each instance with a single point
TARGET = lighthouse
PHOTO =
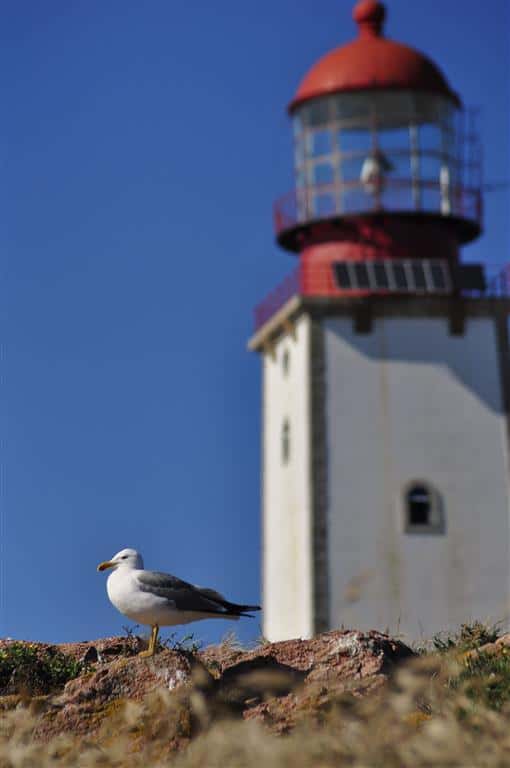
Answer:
(385, 359)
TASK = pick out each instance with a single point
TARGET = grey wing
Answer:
(210, 593)
(182, 595)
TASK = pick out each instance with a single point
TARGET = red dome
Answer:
(372, 62)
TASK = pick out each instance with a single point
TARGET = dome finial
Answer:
(369, 15)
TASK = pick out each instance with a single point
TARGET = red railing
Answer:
(318, 280)
(325, 201)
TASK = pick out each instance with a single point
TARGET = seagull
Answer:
(161, 600)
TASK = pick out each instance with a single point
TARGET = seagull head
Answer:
(126, 558)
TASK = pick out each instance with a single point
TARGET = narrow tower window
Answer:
(285, 361)
(422, 509)
(285, 442)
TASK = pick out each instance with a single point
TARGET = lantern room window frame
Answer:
(430, 145)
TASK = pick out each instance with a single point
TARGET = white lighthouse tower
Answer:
(385, 359)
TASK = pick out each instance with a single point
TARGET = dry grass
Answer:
(440, 710)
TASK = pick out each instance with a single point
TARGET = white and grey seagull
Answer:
(161, 600)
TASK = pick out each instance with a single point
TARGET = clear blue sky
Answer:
(142, 147)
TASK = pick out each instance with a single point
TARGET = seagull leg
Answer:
(154, 637)
(151, 650)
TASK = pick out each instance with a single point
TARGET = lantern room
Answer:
(379, 134)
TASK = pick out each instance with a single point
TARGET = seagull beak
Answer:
(105, 565)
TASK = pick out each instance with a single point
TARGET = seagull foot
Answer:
(146, 654)
(151, 650)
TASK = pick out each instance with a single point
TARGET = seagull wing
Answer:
(186, 597)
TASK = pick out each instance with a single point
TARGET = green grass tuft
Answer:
(468, 638)
(29, 669)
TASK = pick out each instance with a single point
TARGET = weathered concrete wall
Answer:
(287, 546)
(411, 402)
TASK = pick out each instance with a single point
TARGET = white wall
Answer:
(409, 401)
(287, 566)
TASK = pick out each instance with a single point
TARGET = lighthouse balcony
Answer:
(339, 203)
(344, 280)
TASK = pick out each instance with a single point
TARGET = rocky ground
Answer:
(275, 683)
(344, 698)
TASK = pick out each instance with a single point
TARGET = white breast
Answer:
(126, 595)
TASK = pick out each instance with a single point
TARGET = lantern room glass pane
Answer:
(430, 167)
(395, 139)
(431, 197)
(430, 137)
(350, 168)
(354, 142)
(319, 143)
(399, 164)
(323, 173)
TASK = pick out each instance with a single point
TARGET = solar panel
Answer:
(361, 275)
(427, 275)
(420, 284)
(399, 274)
(438, 277)
(381, 276)
(343, 279)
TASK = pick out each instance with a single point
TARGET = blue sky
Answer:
(142, 147)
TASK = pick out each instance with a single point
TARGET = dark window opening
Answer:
(286, 362)
(419, 506)
(285, 442)
(423, 510)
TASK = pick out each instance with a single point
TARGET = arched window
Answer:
(423, 511)
(285, 361)
(285, 442)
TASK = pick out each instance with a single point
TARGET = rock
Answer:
(85, 701)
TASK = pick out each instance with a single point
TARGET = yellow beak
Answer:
(105, 565)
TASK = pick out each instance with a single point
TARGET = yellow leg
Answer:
(151, 650)
(154, 637)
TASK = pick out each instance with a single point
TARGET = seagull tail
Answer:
(242, 610)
